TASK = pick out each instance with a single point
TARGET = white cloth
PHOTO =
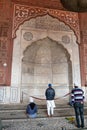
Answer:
(76, 84)
(50, 107)
(31, 99)
(51, 103)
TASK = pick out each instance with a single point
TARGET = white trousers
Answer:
(50, 107)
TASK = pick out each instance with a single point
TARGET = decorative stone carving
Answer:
(65, 39)
(47, 22)
(28, 36)
(23, 13)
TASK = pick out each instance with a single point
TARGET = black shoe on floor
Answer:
(78, 126)
(82, 126)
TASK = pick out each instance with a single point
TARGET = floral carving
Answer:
(28, 36)
(23, 13)
(66, 39)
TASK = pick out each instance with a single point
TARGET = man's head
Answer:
(49, 85)
(75, 85)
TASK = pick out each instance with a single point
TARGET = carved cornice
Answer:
(23, 13)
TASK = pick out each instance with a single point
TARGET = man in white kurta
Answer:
(50, 94)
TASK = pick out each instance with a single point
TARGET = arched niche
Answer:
(39, 41)
(46, 61)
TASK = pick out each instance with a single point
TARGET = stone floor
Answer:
(53, 123)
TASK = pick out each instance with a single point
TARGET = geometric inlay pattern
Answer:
(66, 39)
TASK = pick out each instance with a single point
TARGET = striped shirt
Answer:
(77, 95)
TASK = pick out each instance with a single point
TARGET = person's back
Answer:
(77, 97)
(31, 109)
(50, 93)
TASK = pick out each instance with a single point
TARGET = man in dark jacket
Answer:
(50, 94)
(77, 97)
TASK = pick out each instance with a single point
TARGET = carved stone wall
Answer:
(23, 13)
(52, 8)
(45, 54)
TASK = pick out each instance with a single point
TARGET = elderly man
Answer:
(50, 94)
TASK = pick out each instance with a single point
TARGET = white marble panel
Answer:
(9, 95)
(60, 78)
(15, 95)
(43, 70)
(16, 72)
(42, 79)
(1, 94)
(27, 79)
(63, 90)
(60, 68)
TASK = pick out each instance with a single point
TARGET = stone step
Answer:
(21, 114)
(14, 115)
(23, 106)
(8, 112)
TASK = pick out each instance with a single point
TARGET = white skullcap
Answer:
(75, 84)
(31, 99)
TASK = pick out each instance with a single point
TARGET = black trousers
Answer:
(79, 113)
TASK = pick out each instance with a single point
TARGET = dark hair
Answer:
(76, 86)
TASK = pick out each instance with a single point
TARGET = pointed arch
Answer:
(23, 13)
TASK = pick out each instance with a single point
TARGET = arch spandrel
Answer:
(23, 13)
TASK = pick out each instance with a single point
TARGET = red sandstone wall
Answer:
(5, 42)
(53, 4)
(83, 47)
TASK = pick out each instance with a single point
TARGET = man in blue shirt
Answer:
(31, 109)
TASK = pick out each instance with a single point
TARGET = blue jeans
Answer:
(79, 112)
(32, 115)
